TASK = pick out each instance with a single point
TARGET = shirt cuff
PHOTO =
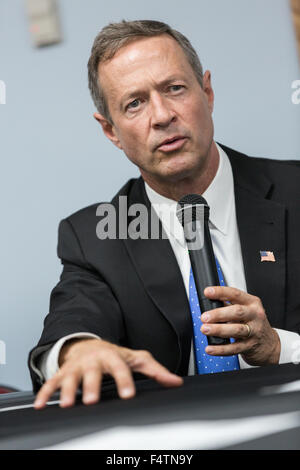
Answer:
(290, 346)
(244, 364)
(48, 361)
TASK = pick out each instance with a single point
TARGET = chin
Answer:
(178, 173)
(181, 167)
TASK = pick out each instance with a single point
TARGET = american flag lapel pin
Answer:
(267, 256)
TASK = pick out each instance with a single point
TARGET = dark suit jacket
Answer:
(131, 292)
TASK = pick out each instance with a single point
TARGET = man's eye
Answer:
(176, 87)
(133, 104)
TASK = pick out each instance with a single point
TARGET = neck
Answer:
(197, 183)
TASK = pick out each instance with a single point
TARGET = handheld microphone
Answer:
(193, 214)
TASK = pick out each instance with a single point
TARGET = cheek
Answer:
(196, 107)
(199, 113)
(133, 137)
(201, 121)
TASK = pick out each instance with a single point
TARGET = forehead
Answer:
(142, 60)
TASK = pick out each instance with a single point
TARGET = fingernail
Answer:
(38, 404)
(210, 290)
(90, 398)
(209, 350)
(126, 392)
(66, 402)
(205, 329)
(205, 317)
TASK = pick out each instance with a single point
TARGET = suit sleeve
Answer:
(81, 301)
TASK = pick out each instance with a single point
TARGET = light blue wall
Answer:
(54, 158)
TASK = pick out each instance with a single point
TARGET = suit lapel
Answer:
(158, 269)
(262, 225)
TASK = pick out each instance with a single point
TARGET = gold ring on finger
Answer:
(249, 330)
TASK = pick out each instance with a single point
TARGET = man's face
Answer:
(161, 115)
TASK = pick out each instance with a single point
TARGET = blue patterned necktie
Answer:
(206, 364)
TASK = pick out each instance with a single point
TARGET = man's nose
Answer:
(162, 113)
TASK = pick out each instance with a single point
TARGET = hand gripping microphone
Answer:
(193, 214)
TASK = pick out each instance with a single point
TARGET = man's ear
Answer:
(207, 88)
(108, 129)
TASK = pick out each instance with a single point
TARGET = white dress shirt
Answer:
(226, 243)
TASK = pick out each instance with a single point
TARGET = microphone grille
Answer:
(192, 199)
(192, 207)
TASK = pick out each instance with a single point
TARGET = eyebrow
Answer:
(139, 91)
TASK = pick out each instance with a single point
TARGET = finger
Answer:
(143, 362)
(227, 330)
(121, 373)
(231, 313)
(46, 392)
(231, 349)
(69, 386)
(231, 294)
(91, 386)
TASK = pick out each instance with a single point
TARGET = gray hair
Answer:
(116, 35)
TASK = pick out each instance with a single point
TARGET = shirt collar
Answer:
(219, 196)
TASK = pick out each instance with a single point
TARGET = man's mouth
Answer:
(171, 144)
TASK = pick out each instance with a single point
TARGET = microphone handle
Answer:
(205, 274)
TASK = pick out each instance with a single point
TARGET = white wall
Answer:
(55, 160)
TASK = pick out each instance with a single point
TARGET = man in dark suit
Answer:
(122, 304)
